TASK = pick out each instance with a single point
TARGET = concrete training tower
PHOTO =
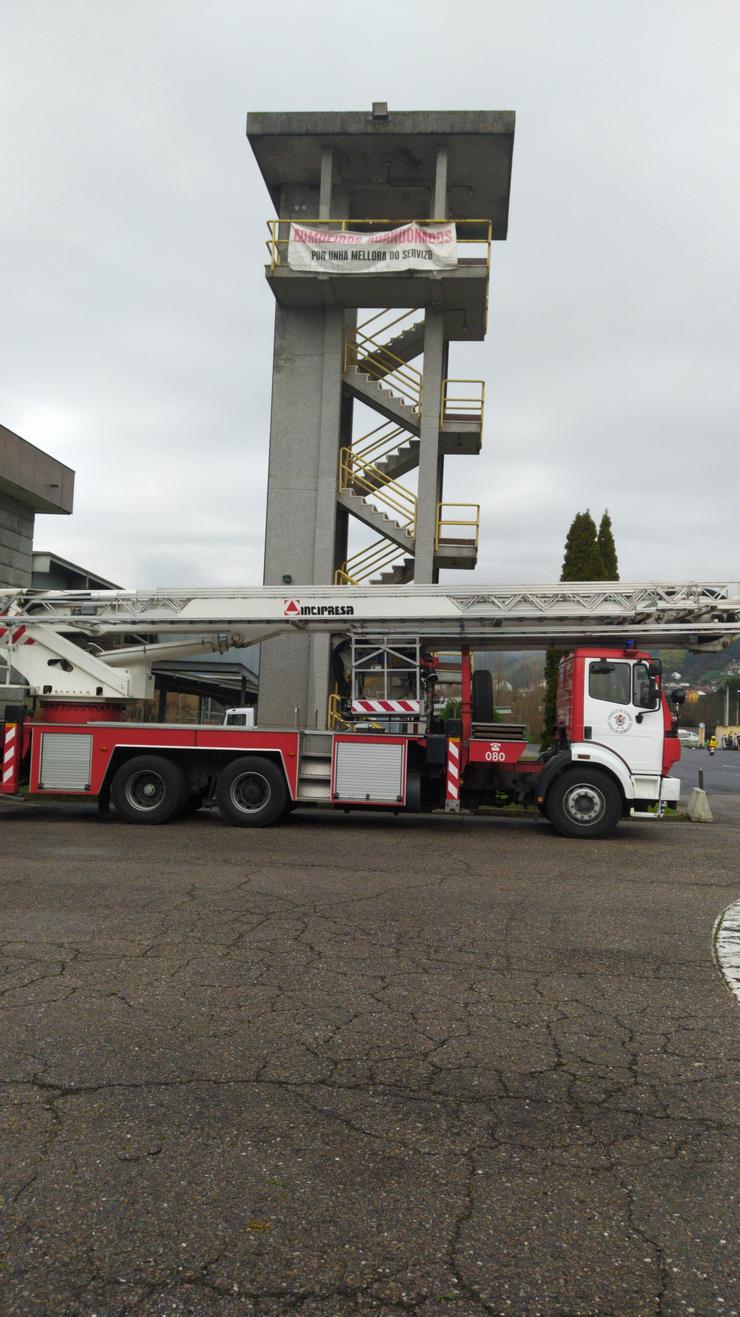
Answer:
(343, 338)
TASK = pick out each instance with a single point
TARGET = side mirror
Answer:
(655, 668)
(678, 697)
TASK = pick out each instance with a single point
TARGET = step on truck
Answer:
(386, 747)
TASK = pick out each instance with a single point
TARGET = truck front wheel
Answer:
(582, 802)
(148, 789)
(251, 792)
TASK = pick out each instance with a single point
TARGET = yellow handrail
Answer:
(471, 403)
(354, 472)
(334, 715)
(471, 523)
(277, 242)
(364, 564)
(380, 442)
(363, 351)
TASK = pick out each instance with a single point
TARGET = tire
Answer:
(148, 789)
(482, 697)
(582, 802)
(251, 792)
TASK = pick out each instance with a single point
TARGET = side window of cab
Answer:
(610, 682)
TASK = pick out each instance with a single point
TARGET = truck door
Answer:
(616, 710)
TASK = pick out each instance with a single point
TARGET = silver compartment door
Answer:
(65, 761)
(370, 771)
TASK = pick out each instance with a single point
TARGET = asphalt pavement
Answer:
(352, 1065)
(721, 771)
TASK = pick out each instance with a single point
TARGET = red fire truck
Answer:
(387, 747)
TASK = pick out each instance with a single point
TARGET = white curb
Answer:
(727, 946)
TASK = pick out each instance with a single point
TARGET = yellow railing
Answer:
(389, 370)
(470, 232)
(381, 326)
(334, 716)
(381, 442)
(453, 515)
(356, 475)
(367, 562)
(462, 400)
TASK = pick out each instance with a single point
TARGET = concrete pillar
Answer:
(16, 541)
(429, 455)
(431, 463)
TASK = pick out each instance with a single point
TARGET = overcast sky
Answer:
(136, 326)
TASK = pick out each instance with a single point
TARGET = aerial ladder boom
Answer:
(64, 643)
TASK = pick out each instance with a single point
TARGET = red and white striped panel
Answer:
(386, 706)
(11, 758)
(17, 635)
(452, 784)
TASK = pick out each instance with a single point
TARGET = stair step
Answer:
(382, 399)
(316, 743)
(315, 768)
(312, 790)
(406, 345)
(377, 520)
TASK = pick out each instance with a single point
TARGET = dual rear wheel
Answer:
(250, 791)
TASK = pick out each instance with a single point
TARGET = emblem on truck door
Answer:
(619, 720)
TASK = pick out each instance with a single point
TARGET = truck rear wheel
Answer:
(251, 792)
(148, 789)
(582, 802)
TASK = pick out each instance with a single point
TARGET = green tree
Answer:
(582, 561)
(607, 549)
(588, 557)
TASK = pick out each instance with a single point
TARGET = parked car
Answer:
(689, 738)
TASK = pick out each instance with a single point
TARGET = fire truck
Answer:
(83, 655)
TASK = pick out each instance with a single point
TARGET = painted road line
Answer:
(727, 946)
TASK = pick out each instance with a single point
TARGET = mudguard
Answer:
(552, 769)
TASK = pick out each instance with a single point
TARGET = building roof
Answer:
(387, 161)
(33, 477)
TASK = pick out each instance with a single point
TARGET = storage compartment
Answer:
(65, 761)
(369, 771)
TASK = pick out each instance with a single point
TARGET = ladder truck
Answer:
(83, 655)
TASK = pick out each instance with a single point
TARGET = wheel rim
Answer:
(250, 792)
(145, 790)
(584, 803)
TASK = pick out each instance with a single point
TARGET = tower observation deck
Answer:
(378, 258)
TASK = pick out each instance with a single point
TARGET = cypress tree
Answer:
(582, 562)
(607, 549)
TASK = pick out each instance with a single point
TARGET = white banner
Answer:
(413, 247)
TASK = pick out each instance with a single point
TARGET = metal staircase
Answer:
(377, 372)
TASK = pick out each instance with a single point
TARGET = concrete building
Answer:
(30, 481)
(380, 338)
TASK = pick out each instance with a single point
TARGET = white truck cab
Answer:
(240, 717)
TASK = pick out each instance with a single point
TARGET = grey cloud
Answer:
(136, 337)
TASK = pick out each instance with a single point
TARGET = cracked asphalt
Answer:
(352, 1065)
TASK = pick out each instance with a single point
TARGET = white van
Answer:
(240, 717)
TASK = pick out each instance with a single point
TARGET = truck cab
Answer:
(613, 716)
